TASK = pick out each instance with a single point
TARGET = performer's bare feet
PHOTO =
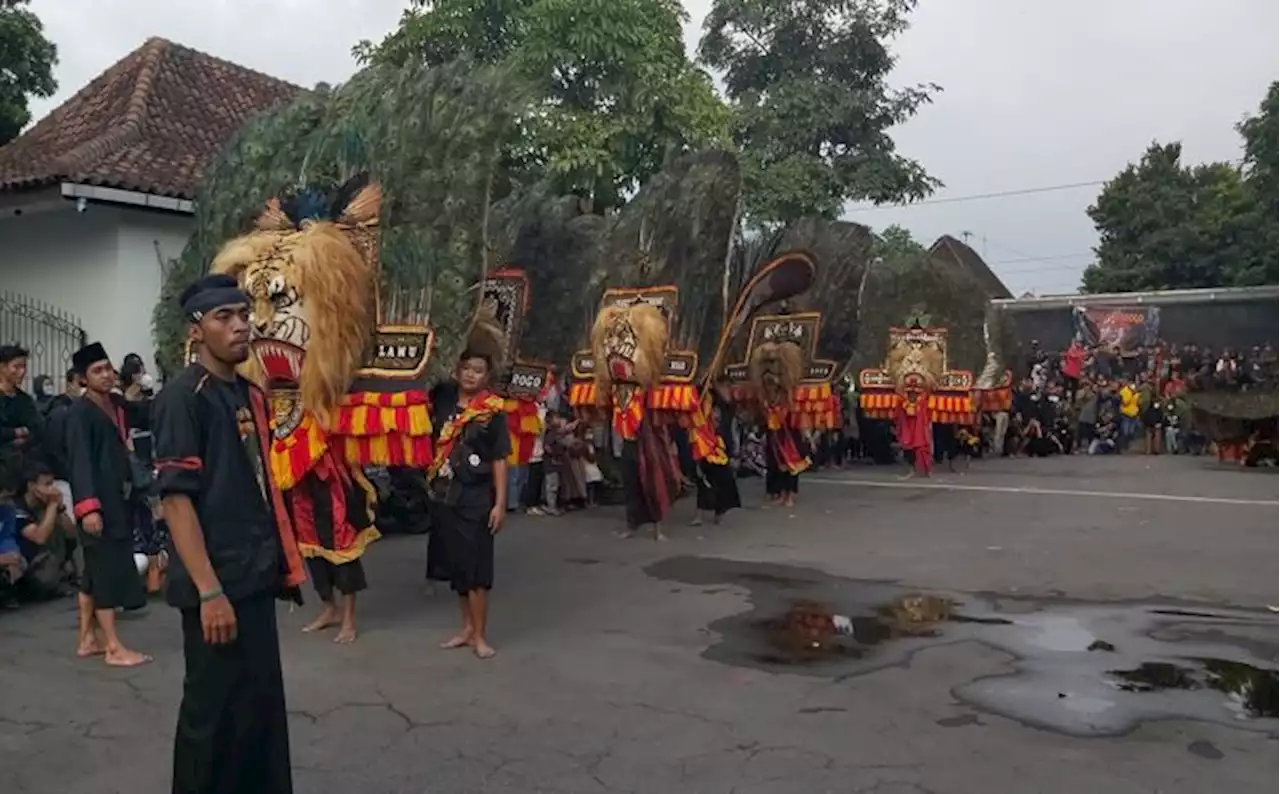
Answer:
(121, 656)
(90, 647)
(910, 473)
(346, 634)
(625, 534)
(460, 640)
(657, 533)
(328, 619)
(697, 520)
(483, 650)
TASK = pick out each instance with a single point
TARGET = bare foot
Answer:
(328, 619)
(625, 534)
(458, 641)
(346, 635)
(123, 657)
(696, 522)
(484, 650)
(91, 648)
(657, 534)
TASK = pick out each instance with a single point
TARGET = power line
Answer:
(981, 196)
(1030, 258)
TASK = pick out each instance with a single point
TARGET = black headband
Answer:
(209, 293)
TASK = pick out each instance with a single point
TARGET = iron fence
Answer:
(52, 335)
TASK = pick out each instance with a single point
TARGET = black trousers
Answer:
(233, 733)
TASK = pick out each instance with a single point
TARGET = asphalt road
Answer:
(634, 666)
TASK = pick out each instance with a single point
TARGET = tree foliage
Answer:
(894, 245)
(429, 136)
(1163, 225)
(27, 59)
(612, 97)
(808, 84)
(1260, 177)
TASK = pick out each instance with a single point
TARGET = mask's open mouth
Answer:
(281, 362)
(620, 369)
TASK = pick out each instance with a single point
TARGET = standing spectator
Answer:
(1152, 419)
(1130, 410)
(1073, 367)
(20, 422)
(1172, 426)
(42, 390)
(1086, 410)
(54, 445)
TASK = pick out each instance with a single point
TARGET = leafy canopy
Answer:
(1260, 171)
(1163, 225)
(612, 92)
(808, 83)
(27, 59)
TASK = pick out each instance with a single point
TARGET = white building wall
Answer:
(101, 265)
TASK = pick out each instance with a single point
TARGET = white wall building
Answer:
(98, 196)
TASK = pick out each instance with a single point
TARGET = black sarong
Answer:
(110, 575)
(717, 488)
(467, 543)
(233, 733)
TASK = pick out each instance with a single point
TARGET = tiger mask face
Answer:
(629, 344)
(312, 298)
(775, 369)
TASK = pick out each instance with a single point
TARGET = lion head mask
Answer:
(775, 368)
(312, 289)
(629, 345)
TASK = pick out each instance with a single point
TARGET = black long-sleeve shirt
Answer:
(208, 447)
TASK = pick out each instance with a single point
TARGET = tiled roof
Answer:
(964, 256)
(150, 123)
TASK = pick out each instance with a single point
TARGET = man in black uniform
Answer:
(102, 485)
(235, 553)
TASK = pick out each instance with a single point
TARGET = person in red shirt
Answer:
(1072, 367)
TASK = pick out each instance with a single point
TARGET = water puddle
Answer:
(1082, 669)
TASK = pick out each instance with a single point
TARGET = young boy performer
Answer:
(235, 553)
(102, 485)
(468, 487)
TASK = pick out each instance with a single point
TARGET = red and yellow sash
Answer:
(706, 442)
(627, 418)
(482, 407)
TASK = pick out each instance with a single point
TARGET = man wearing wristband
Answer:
(234, 553)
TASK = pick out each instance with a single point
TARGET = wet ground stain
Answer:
(1080, 668)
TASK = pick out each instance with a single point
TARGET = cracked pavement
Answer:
(599, 686)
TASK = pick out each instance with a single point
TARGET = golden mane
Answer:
(487, 338)
(337, 287)
(650, 329)
(776, 363)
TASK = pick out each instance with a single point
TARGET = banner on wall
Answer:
(1125, 327)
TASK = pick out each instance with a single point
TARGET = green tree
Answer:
(808, 83)
(27, 59)
(613, 93)
(894, 245)
(1162, 225)
(1260, 171)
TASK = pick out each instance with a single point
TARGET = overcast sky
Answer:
(1037, 93)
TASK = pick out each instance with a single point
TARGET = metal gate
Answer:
(52, 335)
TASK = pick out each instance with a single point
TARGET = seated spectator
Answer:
(46, 535)
(1104, 437)
(12, 565)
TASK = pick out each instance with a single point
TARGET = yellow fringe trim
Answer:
(338, 557)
